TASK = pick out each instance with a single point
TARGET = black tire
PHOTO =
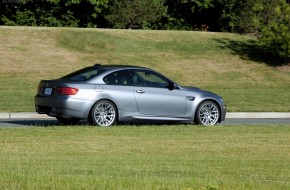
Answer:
(207, 113)
(67, 121)
(104, 113)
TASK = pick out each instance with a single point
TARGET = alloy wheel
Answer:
(208, 113)
(104, 113)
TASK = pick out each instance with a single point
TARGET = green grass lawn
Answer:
(145, 157)
(228, 64)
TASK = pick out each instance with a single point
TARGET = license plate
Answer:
(47, 91)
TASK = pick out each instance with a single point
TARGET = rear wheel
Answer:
(207, 113)
(104, 113)
(67, 121)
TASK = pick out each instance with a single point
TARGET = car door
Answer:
(119, 88)
(154, 98)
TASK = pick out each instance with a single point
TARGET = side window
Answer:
(83, 74)
(148, 79)
(121, 78)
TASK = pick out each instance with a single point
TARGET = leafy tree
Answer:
(136, 13)
(191, 14)
(238, 16)
(275, 32)
(83, 13)
(217, 15)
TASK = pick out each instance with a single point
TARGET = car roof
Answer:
(118, 67)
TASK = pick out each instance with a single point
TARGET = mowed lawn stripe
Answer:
(145, 157)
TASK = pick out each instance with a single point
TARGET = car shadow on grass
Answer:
(54, 122)
(28, 122)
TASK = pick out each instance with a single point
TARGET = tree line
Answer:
(269, 19)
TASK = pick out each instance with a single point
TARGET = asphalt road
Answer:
(54, 122)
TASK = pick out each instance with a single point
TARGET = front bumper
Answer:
(223, 113)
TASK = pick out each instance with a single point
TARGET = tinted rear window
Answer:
(83, 74)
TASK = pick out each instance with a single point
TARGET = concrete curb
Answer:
(23, 115)
(259, 115)
(230, 115)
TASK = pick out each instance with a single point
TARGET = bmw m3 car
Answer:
(106, 94)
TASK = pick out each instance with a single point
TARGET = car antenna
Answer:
(97, 65)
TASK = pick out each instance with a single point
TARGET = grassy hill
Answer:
(228, 64)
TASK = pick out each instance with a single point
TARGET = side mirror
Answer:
(171, 86)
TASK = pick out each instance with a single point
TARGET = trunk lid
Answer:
(48, 87)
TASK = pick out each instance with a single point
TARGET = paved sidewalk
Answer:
(230, 115)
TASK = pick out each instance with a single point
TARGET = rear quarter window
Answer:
(83, 74)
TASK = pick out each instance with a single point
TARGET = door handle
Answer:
(140, 91)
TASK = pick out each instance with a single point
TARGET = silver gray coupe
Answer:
(106, 94)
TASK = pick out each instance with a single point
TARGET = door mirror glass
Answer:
(171, 86)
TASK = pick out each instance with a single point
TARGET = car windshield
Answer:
(83, 74)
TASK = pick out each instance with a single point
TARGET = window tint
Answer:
(83, 74)
(148, 79)
(118, 78)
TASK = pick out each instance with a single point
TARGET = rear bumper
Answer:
(63, 106)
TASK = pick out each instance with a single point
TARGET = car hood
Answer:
(195, 90)
(191, 88)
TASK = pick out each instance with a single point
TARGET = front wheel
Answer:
(207, 113)
(104, 113)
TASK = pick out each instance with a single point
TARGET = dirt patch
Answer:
(285, 68)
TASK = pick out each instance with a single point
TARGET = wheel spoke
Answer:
(99, 120)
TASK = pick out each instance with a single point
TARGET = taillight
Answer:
(66, 90)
